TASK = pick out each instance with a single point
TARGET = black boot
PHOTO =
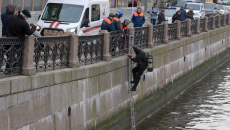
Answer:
(134, 88)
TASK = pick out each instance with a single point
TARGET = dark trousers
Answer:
(153, 21)
(137, 72)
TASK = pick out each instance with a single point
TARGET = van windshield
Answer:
(209, 6)
(180, 3)
(62, 12)
(194, 6)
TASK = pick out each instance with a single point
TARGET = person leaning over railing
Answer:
(5, 17)
(116, 20)
(124, 26)
(176, 16)
(107, 23)
(138, 18)
(18, 27)
(161, 17)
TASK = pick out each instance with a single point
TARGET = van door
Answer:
(95, 23)
(84, 26)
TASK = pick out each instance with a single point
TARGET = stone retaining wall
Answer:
(98, 93)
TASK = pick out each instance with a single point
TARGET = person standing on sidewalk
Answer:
(138, 18)
(183, 13)
(190, 14)
(5, 17)
(161, 17)
(154, 11)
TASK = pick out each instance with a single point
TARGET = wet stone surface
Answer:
(205, 105)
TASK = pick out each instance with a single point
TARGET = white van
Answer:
(83, 17)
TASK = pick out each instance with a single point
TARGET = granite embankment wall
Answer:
(98, 94)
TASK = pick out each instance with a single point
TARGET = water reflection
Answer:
(205, 106)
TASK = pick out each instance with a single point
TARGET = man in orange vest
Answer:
(107, 23)
(116, 20)
(124, 27)
(138, 18)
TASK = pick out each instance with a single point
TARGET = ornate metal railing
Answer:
(209, 23)
(118, 43)
(141, 37)
(222, 20)
(51, 52)
(158, 34)
(11, 54)
(183, 29)
(202, 24)
(216, 21)
(226, 19)
(172, 31)
(90, 49)
(193, 26)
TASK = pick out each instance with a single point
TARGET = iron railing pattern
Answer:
(183, 29)
(11, 56)
(141, 37)
(193, 26)
(172, 31)
(118, 43)
(216, 21)
(210, 23)
(226, 19)
(222, 20)
(51, 53)
(158, 34)
(202, 25)
(90, 49)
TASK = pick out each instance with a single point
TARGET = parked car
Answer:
(226, 2)
(220, 2)
(222, 11)
(210, 9)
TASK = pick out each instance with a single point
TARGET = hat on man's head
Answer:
(26, 13)
(155, 3)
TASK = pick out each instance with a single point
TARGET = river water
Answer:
(204, 106)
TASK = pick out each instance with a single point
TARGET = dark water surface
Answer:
(205, 106)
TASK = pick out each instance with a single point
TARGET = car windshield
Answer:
(194, 6)
(209, 6)
(169, 13)
(180, 3)
(62, 12)
(221, 7)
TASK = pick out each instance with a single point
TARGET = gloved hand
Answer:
(130, 56)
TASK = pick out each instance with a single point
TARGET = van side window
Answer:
(95, 14)
(86, 16)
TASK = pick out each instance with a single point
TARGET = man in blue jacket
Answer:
(138, 18)
(183, 14)
(107, 23)
(116, 21)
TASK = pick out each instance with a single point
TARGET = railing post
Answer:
(131, 33)
(165, 37)
(73, 58)
(106, 44)
(28, 56)
(188, 27)
(178, 27)
(150, 37)
(197, 25)
(228, 19)
(219, 21)
(224, 24)
(213, 22)
(206, 24)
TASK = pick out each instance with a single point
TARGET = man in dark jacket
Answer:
(176, 16)
(18, 26)
(5, 17)
(142, 64)
(161, 17)
(138, 18)
(132, 4)
(107, 23)
(190, 14)
(183, 14)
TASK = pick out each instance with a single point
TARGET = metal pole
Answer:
(146, 1)
(0, 6)
(158, 4)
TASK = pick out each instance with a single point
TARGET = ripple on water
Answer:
(205, 106)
